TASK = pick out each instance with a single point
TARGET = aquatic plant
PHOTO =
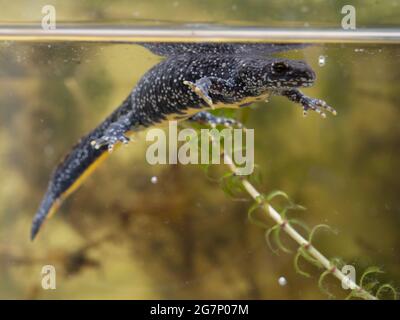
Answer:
(233, 184)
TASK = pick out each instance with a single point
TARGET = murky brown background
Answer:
(121, 236)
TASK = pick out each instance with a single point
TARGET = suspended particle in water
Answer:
(305, 9)
(154, 180)
(282, 281)
(321, 61)
(48, 151)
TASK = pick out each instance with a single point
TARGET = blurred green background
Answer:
(278, 13)
(121, 236)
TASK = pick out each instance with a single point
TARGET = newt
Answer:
(192, 79)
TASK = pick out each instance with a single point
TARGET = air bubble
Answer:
(154, 180)
(321, 61)
(282, 281)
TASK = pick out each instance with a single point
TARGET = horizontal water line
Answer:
(198, 34)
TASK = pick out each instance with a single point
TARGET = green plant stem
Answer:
(292, 232)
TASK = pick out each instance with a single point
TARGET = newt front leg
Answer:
(212, 85)
(308, 103)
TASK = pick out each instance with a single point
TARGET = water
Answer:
(140, 231)
(183, 236)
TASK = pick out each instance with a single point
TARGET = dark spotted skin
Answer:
(192, 79)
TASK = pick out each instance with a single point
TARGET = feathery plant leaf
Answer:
(386, 287)
(260, 199)
(318, 227)
(368, 272)
(321, 285)
(338, 262)
(300, 223)
(256, 177)
(297, 266)
(350, 295)
(356, 293)
(277, 193)
(277, 237)
(371, 285)
(290, 206)
(232, 186)
(252, 219)
(304, 253)
(268, 234)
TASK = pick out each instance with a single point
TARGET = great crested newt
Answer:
(191, 79)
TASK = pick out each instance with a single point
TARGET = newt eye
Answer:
(280, 67)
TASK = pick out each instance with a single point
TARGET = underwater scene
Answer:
(321, 201)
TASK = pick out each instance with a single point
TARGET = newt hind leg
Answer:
(116, 132)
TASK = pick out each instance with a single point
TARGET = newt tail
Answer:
(71, 172)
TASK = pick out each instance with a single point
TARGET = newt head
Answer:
(266, 74)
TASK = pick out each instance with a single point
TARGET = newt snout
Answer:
(285, 73)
